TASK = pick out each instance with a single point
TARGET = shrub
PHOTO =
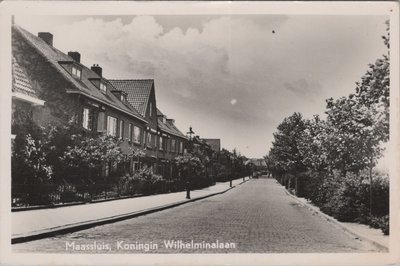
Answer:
(348, 199)
(69, 196)
(143, 181)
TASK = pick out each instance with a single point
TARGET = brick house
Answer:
(163, 141)
(68, 90)
(171, 142)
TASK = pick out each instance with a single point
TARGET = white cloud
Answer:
(197, 70)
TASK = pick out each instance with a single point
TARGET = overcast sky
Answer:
(230, 77)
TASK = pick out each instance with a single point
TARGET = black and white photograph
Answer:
(232, 132)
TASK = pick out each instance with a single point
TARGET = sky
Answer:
(231, 77)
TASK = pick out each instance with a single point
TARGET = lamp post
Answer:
(230, 179)
(190, 133)
(187, 183)
(187, 188)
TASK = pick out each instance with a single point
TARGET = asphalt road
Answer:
(255, 217)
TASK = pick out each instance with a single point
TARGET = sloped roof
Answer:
(21, 83)
(214, 143)
(256, 162)
(197, 140)
(168, 126)
(138, 91)
(84, 85)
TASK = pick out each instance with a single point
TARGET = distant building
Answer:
(215, 144)
(257, 163)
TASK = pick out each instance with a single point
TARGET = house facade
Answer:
(171, 143)
(68, 90)
(163, 140)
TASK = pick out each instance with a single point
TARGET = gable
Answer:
(138, 91)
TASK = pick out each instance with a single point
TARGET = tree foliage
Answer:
(332, 156)
(285, 151)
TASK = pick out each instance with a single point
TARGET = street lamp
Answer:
(231, 160)
(190, 133)
(187, 188)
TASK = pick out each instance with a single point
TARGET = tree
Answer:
(351, 138)
(192, 169)
(32, 175)
(89, 156)
(285, 148)
(313, 146)
(30, 159)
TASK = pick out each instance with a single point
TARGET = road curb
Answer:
(69, 228)
(337, 223)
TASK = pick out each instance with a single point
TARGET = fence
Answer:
(26, 195)
(56, 194)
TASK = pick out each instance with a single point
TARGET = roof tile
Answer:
(138, 91)
(84, 85)
(168, 126)
(21, 82)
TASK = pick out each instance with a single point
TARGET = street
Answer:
(257, 217)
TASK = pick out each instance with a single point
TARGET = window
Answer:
(130, 132)
(173, 145)
(103, 88)
(121, 128)
(76, 72)
(161, 144)
(149, 139)
(136, 134)
(111, 126)
(100, 122)
(87, 119)
(181, 147)
(123, 98)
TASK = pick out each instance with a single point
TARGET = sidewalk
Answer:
(364, 232)
(35, 224)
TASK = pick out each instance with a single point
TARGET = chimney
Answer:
(76, 56)
(172, 121)
(47, 37)
(97, 69)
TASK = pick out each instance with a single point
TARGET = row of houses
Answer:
(50, 87)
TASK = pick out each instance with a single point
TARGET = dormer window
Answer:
(123, 98)
(76, 72)
(103, 88)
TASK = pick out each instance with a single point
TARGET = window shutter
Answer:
(100, 122)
